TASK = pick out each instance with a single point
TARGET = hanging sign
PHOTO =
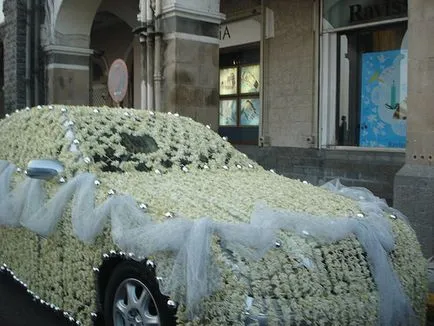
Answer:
(118, 80)
(343, 13)
(240, 32)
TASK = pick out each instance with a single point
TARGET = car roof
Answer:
(115, 139)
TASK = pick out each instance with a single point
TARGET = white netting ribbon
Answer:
(195, 274)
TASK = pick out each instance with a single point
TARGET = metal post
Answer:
(37, 32)
(263, 120)
(143, 84)
(143, 54)
(157, 58)
(28, 53)
(150, 56)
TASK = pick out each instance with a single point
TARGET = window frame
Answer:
(329, 118)
(239, 96)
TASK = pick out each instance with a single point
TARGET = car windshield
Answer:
(116, 140)
(122, 140)
(133, 146)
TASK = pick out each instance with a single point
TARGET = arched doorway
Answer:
(111, 38)
(81, 39)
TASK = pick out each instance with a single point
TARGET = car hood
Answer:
(300, 267)
(224, 195)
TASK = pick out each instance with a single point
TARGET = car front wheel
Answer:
(133, 298)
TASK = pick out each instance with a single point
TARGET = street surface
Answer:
(17, 308)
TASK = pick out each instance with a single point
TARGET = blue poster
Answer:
(383, 120)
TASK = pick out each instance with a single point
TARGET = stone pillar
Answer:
(191, 58)
(68, 75)
(14, 55)
(414, 183)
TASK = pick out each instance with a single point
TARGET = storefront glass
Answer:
(373, 101)
(371, 80)
(239, 96)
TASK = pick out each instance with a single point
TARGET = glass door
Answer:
(372, 87)
(240, 106)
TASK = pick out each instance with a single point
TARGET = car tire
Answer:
(132, 297)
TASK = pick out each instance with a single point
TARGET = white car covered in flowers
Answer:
(132, 217)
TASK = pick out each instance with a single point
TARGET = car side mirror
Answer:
(44, 169)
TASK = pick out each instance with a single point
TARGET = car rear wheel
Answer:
(132, 298)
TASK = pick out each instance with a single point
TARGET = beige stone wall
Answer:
(289, 76)
(67, 86)
(190, 70)
(289, 70)
(420, 132)
(232, 8)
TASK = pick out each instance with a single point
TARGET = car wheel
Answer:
(133, 298)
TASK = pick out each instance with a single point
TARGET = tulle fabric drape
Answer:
(194, 273)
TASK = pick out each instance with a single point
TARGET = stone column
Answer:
(191, 58)
(414, 183)
(68, 75)
(14, 55)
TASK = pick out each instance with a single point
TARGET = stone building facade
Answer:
(14, 42)
(295, 84)
(19, 49)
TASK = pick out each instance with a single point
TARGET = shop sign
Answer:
(240, 32)
(361, 13)
(342, 13)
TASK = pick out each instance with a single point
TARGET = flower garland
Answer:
(302, 280)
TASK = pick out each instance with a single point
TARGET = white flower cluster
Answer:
(26, 136)
(127, 140)
(303, 281)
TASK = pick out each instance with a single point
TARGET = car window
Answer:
(126, 140)
(134, 145)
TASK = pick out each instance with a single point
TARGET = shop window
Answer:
(363, 100)
(240, 106)
(371, 104)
